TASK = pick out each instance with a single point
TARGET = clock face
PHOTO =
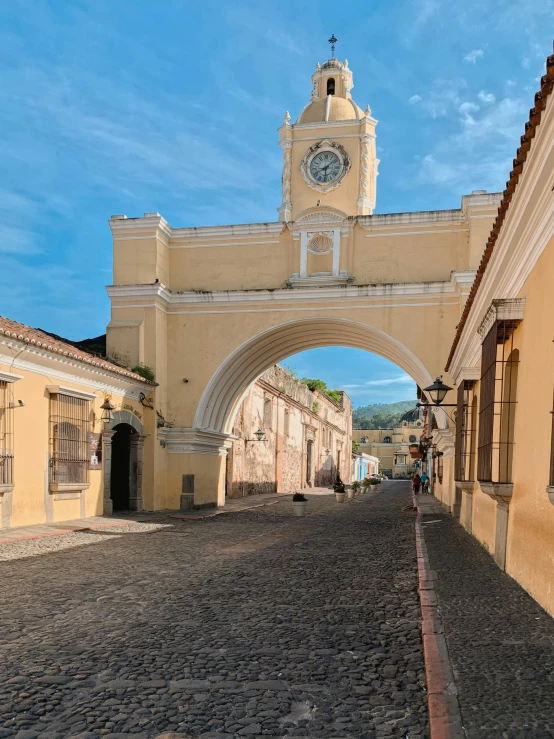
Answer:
(325, 167)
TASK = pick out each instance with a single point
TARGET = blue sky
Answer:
(131, 106)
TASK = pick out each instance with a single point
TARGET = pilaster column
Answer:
(285, 210)
(136, 502)
(107, 471)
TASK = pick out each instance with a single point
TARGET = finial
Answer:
(346, 63)
(287, 117)
(333, 41)
(317, 67)
(368, 110)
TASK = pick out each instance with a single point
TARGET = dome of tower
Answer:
(413, 416)
(331, 108)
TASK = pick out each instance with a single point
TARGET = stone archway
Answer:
(136, 502)
(230, 383)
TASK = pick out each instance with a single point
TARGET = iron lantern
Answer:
(437, 391)
(259, 434)
(107, 408)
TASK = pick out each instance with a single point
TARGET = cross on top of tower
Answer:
(333, 41)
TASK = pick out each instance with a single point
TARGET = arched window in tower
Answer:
(387, 440)
(330, 86)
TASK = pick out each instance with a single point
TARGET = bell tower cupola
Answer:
(329, 155)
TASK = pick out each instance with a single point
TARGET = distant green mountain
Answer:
(380, 415)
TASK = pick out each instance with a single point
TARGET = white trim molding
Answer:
(501, 310)
(444, 440)
(8, 377)
(65, 390)
(468, 373)
(195, 441)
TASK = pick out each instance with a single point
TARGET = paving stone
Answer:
(500, 641)
(252, 624)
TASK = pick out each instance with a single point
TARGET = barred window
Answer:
(466, 426)
(69, 426)
(287, 422)
(6, 434)
(497, 404)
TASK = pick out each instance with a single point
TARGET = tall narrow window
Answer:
(268, 414)
(499, 368)
(69, 426)
(465, 432)
(330, 86)
(287, 422)
(6, 435)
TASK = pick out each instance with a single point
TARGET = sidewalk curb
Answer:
(445, 720)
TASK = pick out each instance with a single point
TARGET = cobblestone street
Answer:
(247, 624)
(500, 641)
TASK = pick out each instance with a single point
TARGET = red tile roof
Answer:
(39, 338)
(547, 83)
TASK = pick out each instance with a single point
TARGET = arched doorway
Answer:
(122, 470)
(122, 444)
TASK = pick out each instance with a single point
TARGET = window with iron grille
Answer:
(466, 426)
(287, 422)
(69, 425)
(6, 434)
(497, 404)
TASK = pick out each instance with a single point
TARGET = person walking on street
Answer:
(425, 483)
(416, 483)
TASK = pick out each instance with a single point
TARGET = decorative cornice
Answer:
(470, 374)
(9, 377)
(455, 286)
(65, 390)
(444, 441)
(502, 310)
(42, 363)
(195, 441)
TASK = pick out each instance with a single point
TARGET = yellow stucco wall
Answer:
(530, 551)
(31, 501)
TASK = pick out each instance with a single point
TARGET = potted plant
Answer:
(339, 489)
(365, 484)
(356, 487)
(373, 482)
(299, 503)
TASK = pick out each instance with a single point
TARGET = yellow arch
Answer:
(228, 386)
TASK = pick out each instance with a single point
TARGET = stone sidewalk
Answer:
(500, 641)
(255, 624)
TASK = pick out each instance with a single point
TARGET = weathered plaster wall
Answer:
(279, 463)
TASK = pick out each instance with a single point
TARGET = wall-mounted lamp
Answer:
(144, 401)
(259, 434)
(107, 408)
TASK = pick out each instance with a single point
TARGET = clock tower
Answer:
(329, 157)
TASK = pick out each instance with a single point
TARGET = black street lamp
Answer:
(438, 391)
(259, 434)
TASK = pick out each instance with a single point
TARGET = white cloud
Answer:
(415, 99)
(399, 380)
(473, 55)
(486, 97)
(468, 107)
